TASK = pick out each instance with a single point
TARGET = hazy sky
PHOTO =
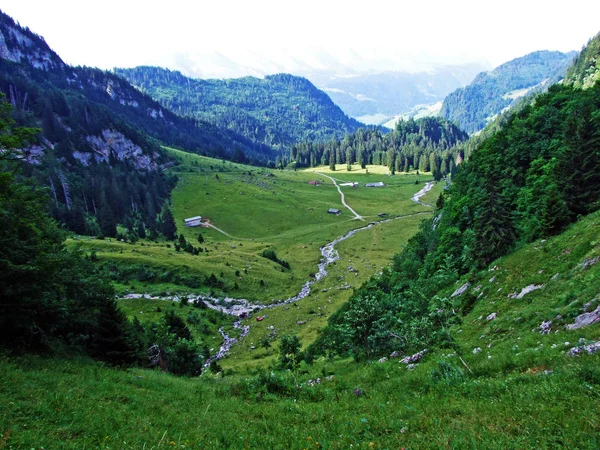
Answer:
(234, 37)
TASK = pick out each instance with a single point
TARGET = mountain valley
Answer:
(241, 263)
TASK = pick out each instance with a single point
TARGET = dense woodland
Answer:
(585, 70)
(536, 175)
(427, 144)
(473, 106)
(277, 111)
(94, 187)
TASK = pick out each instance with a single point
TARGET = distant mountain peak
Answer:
(491, 92)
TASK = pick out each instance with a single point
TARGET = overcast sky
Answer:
(236, 37)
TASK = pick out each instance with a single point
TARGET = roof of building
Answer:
(193, 218)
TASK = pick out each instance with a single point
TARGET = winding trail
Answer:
(242, 308)
(356, 215)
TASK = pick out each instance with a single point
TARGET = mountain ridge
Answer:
(491, 92)
(277, 110)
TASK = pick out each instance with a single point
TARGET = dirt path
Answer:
(356, 215)
(226, 233)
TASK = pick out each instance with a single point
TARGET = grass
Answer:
(203, 323)
(520, 391)
(259, 209)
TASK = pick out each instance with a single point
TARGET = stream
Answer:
(242, 308)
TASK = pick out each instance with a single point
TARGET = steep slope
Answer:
(585, 71)
(531, 179)
(502, 383)
(98, 148)
(492, 92)
(276, 111)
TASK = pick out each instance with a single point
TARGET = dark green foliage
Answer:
(167, 224)
(472, 106)
(187, 247)
(116, 341)
(49, 295)
(289, 351)
(270, 254)
(172, 347)
(528, 181)
(413, 144)
(185, 358)
(585, 70)
(277, 111)
(176, 326)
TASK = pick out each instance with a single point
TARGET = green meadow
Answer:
(255, 209)
(457, 397)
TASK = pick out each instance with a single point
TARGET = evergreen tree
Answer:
(114, 340)
(167, 224)
(391, 160)
(332, 161)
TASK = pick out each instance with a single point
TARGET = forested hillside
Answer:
(427, 144)
(585, 71)
(536, 175)
(98, 148)
(276, 111)
(490, 93)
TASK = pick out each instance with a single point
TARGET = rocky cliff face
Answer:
(115, 144)
(21, 46)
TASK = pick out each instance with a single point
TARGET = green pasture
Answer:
(489, 389)
(258, 209)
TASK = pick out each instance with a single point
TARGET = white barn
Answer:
(193, 221)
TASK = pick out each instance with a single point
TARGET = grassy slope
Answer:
(271, 209)
(521, 392)
(267, 209)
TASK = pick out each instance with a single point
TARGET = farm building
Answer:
(314, 182)
(334, 211)
(193, 221)
(377, 184)
(353, 184)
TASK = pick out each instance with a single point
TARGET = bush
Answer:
(289, 351)
(270, 254)
(447, 373)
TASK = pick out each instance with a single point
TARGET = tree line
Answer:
(426, 144)
(535, 176)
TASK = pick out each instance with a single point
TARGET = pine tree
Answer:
(167, 224)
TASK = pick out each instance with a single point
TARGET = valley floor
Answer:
(518, 373)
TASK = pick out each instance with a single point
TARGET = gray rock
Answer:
(526, 290)
(492, 316)
(546, 327)
(583, 320)
(461, 290)
(414, 358)
(588, 349)
(589, 262)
